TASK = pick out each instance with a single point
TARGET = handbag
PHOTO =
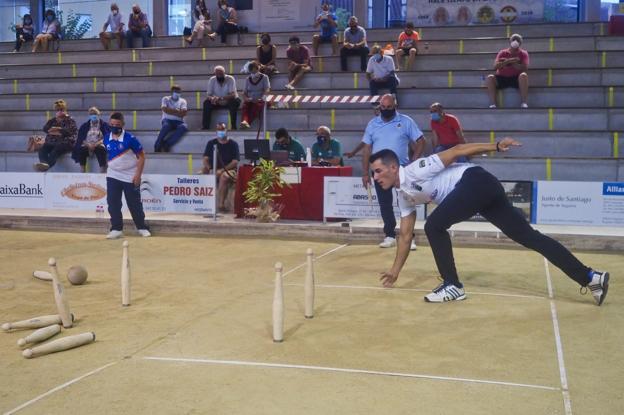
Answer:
(35, 142)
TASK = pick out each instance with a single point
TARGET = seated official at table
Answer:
(326, 151)
(284, 142)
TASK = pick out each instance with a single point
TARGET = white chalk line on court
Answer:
(346, 370)
(365, 287)
(315, 259)
(58, 388)
(567, 403)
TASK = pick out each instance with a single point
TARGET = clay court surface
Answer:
(197, 338)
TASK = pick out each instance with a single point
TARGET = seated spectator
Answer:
(50, 30)
(447, 131)
(138, 26)
(326, 151)
(228, 156)
(327, 21)
(91, 141)
(221, 93)
(116, 25)
(173, 128)
(407, 46)
(228, 20)
(511, 65)
(284, 142)
(257, 86)
(380, 72)
(202, 29)
(200, 9)
(298, 62)
(354, 44)
(23, 32)
(60, 137)
(266, 54)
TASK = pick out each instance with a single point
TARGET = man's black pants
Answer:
(384, 198)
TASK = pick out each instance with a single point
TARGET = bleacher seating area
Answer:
(570, 131)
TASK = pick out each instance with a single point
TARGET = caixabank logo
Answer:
(84, 191)
(21, 190)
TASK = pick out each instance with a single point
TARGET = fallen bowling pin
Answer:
(34, 323)
(309, 286)
(278, 305)
(59, 345)
(40, 335)
(62, 304)
(42, 275)
(125, 276)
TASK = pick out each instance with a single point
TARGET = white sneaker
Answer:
(244, 124)
(413, 246)
(599, 285)
(493, 106)
(289, 87)
(388, 242)
(114, 235)
(144, 233)
(524, 105)
(445, 292)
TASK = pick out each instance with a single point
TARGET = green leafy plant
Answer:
(262, 189)
(73, 29)
(343, 16)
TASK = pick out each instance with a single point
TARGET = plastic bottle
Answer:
(308, 157)
(99, 211)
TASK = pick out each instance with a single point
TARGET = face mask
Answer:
(49, 18)
(265, 41)
(116, 130)
(515, 44)
(221, 134)
(114, 12)
(59, 113)
(28, 21)
(388, 114)
(220, 78)
(320, 139)
(175, 96)
(378, 57)
(224, 6)
(435, 116)
(93, 118)
(353, 27)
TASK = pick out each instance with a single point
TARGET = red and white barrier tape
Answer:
(323, 99)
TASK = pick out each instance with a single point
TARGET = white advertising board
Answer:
(178, 193)
(346, 197)
(467, 12)
(579, 203)
(74, 191)
(22, 190)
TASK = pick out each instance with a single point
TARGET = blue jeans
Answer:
(439, 148)
(114, 189)
(390, 84)
(384, 198)
(171, 132)
(143, 34)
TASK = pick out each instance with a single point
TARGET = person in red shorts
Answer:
(447, 131)
(511, 65)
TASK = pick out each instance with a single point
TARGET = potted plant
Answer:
(262, 189)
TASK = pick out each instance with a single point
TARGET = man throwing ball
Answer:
(461, 190)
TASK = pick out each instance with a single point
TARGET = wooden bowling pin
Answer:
(40, 335)
(308, 286)
(42, 275)
(278, 305)
(34, 323)
(60, 297)
(59, 345)
(125, 276)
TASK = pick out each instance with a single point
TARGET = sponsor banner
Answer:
(468, 12)
(579, 203)
(22, 190)
(346, 197)
(178, 194)
(75, 191)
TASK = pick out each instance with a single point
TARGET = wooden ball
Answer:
(77, 275)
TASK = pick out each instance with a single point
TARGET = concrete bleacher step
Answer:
(609, 77)
(558, 119)
(467, 61)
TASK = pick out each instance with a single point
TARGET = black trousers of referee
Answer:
(480, 192)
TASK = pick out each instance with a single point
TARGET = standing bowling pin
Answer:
(125, 276)
(40, 335)
(278, 305)
(59, 296)
(34, 323)
(308, 286)
(59, 345)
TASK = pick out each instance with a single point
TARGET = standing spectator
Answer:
(447, 131)
(407, 45)
(257, 86)
(173, 128)
(202, 28)
(326, 150)
(228, 156)
(397, 132)
(328, 23)
(511, 65)
(298, 62)
(283, 141)
(221, 94)
(126, 160)
(354, 44)
(381, 72)
(116, 25)
(138, 26)
(228, 20)
(50, 31)
(60, 137)
(91, 141)
(23, 32)
(266, 54)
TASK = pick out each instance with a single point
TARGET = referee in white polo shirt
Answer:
(461, 190)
